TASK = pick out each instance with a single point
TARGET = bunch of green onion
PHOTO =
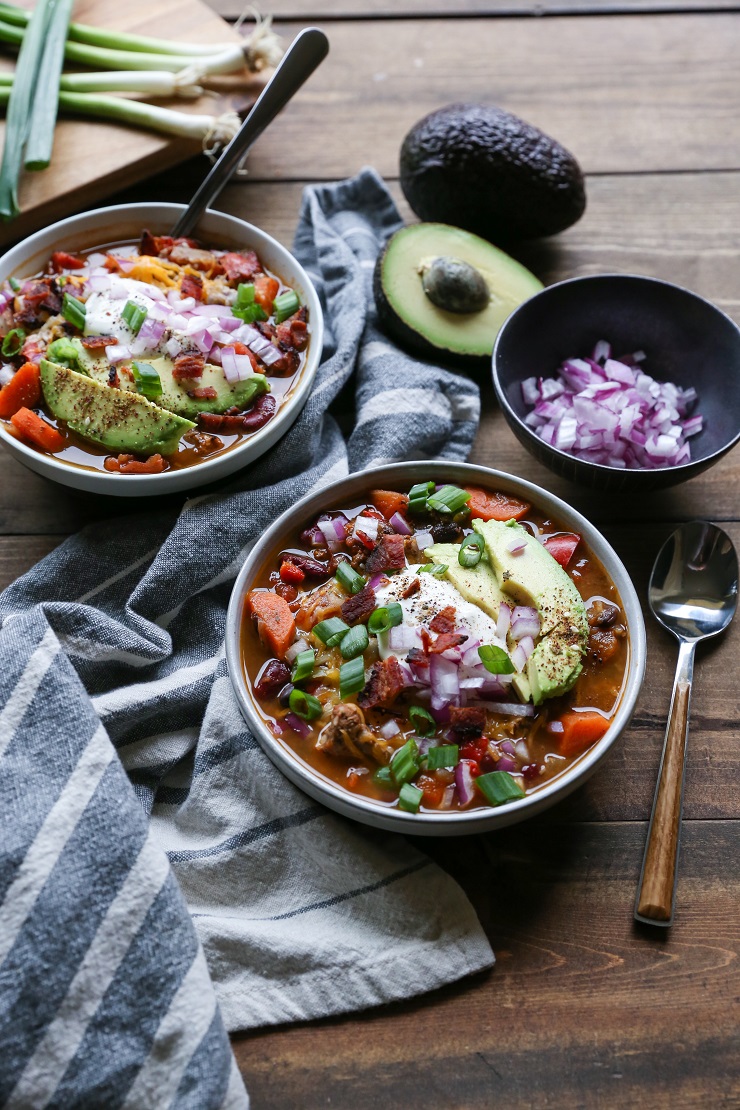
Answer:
(121, 63)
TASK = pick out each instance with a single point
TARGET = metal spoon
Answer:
(305, 53)
(693, 593)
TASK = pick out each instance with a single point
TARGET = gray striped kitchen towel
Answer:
(160, 882)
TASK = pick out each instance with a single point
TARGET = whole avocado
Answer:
(485, 170)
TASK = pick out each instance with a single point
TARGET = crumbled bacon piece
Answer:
(389, 554)
(293, 332)
(127, 464)
(240, 267)
(202, 443)
(417, 658)
(413, 588)
(192, 286)
(98, 342)
(446, 641)
(444, 621)
(153, 245)
(286, 365)
(113, 379)
(359, 606)
(39, 296)
(468, 721)
(188, 366)
(203, 393)
(60, 260)
(386, 683)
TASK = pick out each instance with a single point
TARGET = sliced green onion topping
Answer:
(385, 617)
(62, 351)
(14, 284)
(147, 379)
(351, 677)
(498, 787)
(471, 550)
(331, 631)
(246, 308)
(285, 305)
(437, 569)
(355, 642)
(348, 577)
(495, 659)
(305, 705)
(73, 311)
(410, 797)
(383, 778)
(14, 340)
(418, 495)
(244, 296)
(405, 762)
(448, 499)
(446, 756)
(303, 665)
(134, 315)
(422, 720)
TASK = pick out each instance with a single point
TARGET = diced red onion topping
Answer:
(399, 525)
(235, 367)
(389, 730)
(516, 546)
(368, 525)
(506, 763)
(464, 782)
(301, 727)
(525, 621)
(608, 411)
(443, 676)
(504, 620)
(424, 539)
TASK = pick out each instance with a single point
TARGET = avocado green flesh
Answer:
(414, 248)
(174, 396)
(113, 418)
(534, 578)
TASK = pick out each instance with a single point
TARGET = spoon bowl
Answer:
(693, 594)
(693, 587)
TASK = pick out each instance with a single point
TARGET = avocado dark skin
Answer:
(485, 170)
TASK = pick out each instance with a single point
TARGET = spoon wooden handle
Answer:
(657, 888)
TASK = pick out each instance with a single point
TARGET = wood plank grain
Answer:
(19, 553)
(92, 158)
(675, 106)
(583, 1008)
(311, 10)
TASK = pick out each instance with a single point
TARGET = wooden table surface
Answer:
(584, 1008)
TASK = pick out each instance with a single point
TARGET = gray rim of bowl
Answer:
(271, 432)
(503, 401)
(469, 472)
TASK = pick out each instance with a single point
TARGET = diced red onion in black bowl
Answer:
(606, 418)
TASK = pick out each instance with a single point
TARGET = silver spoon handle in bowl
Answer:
(304, 54)
(656, 891)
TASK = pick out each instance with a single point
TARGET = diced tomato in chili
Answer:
(289, 572)
(60, 260)
(562, 546)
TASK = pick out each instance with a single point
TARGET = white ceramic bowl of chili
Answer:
(123, 223)
(430, 823)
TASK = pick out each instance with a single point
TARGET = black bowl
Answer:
(687, 340)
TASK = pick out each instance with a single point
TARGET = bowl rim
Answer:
(365, 810)
(686, 469)
(210, 469)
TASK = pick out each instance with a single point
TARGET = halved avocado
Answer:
(426, 263)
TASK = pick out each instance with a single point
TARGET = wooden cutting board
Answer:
(93, 159)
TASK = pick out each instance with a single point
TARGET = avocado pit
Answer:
(454, 285)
